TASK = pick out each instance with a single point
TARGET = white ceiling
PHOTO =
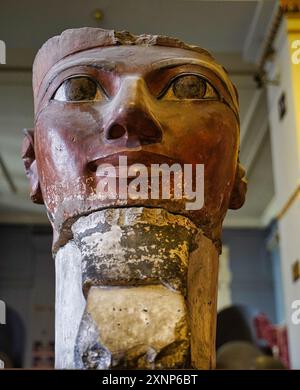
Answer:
(234, 31)
(221, 26)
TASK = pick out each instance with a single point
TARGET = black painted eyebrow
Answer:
(175, 62)
(103, 65)
(107, 66)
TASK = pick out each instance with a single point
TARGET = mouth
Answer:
(128, 164)
(123, 168)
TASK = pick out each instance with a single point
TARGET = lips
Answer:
(129, 164)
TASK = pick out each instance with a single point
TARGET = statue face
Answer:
(153, 105)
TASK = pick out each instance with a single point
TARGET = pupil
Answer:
(80, 88)
(189, 87)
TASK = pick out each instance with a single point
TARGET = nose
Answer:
(130, 121)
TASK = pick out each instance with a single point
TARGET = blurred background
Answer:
(259, 268)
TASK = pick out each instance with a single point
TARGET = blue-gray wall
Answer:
(27, 281)
(252, 269)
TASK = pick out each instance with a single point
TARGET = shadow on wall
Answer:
(12, 340)
(251, 267)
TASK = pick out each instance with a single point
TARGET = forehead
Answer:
(133, 57)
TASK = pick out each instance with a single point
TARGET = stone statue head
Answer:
(100, 94)
(115, 114)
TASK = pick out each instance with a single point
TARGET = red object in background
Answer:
(275, 336)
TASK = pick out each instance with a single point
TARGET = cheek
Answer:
(198, 132)
(63, 141)
(205, 134)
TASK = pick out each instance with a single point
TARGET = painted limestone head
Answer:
(101, 94)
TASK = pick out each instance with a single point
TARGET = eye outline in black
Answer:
(98, 85)
(201, 76)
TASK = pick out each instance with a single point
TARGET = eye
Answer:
(190, 87)
(79, 89)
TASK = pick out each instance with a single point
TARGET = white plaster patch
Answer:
(69, 303)
(105, 243)
(128, 318)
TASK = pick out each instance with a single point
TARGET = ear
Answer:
(28, 157)
(239, 190)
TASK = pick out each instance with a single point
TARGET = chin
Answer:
(69, 211)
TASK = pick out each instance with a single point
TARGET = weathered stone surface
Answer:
(69, 304)
(202, 302)
(133, 246)
(108, 240)
(101, 342)
(133, 327)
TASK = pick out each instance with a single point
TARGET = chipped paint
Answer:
(134, 246)
(132, 249)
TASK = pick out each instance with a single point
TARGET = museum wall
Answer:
(27, 287)
(251, 267)
(284, 117)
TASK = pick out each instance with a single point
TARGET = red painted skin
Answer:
(72, 138)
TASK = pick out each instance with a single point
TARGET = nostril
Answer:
(92, 167)
(115, 131)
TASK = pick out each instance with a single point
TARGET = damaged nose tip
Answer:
(134, 127)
